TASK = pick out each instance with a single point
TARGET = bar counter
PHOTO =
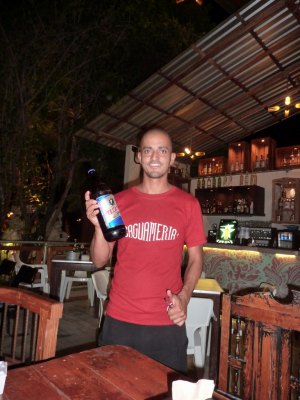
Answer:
(242, 267)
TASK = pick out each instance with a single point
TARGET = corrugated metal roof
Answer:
(218, 90)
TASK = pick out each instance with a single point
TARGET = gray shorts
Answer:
(166, 344)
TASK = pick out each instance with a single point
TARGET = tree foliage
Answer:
(64, 62)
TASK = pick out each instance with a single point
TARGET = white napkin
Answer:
(201, 390)
(3, 373)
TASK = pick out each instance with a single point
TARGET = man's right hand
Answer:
(92, 209)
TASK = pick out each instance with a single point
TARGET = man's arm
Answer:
(100, 249)
(178, 303)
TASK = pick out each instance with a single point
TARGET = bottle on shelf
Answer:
(257, 162)
(267, 163)
(251, 208)
(237, 166)
(279, 214)
(241, 179)
(246, 178)
(109, 217)
(225, 180)
(198, 183)
(253, 179)
(219, 183)
(209, 182)
(214, 182)
(203, 183)
(214, 207)
(209, 169)
(284, 161)
(262, 162)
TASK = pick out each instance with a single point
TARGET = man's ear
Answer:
(173, 157)
(139, 156)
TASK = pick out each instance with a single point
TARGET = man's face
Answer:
(155, 154)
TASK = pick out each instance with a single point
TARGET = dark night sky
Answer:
(286, 133)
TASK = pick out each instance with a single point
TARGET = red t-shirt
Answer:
(149, 257)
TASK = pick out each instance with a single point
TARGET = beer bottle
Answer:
(109, 217)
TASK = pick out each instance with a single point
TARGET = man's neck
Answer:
(154, 186)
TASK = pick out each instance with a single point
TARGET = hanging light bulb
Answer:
(273, 108)
(187, 151)
(287, 101)
(287, 108)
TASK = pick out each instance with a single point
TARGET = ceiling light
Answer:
(287, 106)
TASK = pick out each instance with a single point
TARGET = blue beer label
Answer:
(109, 211)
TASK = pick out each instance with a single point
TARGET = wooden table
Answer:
(109, 372)
(60, 264)
(210, 289)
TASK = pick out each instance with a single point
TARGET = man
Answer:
(148, 301)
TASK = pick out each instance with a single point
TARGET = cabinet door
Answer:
(285, 204)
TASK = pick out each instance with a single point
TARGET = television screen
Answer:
(227, 231)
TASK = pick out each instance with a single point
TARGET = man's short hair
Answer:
(146, 130)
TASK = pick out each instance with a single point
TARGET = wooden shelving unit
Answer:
(224, 200)
(287, 157)
(263, 154)
(286, 200)
(238, 157)
(212, 166)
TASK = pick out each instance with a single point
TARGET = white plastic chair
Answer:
(67, 281)
(42, 270)
(199, 315)
(101, 280)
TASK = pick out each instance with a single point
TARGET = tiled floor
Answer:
(78, 329)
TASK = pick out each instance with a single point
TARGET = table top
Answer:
(65, 261)
(109, 372)
(209, 286)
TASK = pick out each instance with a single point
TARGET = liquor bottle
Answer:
(214, 182)
(241, 179)
(279, 209)
(262, 162)
(198, 183)
(237, 166)
(109, 217)
(203, 183)
(219, 184)
(257, 163)
(267, 162)
(209, 182)
(247, 178)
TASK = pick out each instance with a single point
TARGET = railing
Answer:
(41, 252)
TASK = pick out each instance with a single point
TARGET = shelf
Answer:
(263, 154)
(285, 201)
(288, 157)
(233, 215)
(228, 200)
(238, 157)
(212, 166)
(268, 250)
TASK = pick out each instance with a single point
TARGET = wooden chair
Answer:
(259, 356)
(35, 326)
